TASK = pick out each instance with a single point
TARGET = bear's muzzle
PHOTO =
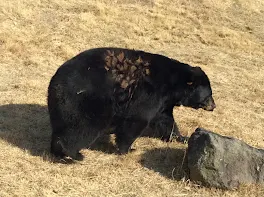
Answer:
(210, 104)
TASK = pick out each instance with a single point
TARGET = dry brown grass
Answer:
(225, 38)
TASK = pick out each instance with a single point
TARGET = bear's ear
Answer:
(197, 70)
(194, 75)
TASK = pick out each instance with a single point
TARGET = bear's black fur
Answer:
(123, 91)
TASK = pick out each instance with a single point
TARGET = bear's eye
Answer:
(190, 83)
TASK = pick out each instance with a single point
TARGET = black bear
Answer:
(122, 91)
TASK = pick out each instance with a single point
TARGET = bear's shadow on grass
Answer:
(168, 162)
(27, 126)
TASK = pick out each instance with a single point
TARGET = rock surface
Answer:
(223, 162)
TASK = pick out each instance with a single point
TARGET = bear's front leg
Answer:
(166, 128)
(127, 132)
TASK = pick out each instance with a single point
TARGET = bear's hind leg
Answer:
(66, 145)
(56, 147)
(77, 139)
(71, 145)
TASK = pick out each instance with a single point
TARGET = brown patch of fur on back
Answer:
(124, 70)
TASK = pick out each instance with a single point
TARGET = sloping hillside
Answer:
(225, 38)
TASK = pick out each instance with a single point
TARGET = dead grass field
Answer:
(224, 37)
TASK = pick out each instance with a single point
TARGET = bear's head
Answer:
(197, 90)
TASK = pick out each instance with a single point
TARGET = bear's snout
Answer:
(210, 104)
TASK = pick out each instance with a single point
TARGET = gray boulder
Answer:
(223, 162)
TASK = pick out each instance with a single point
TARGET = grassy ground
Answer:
(225, 38)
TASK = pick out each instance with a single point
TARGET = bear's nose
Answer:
(213, 106)
(210, 105)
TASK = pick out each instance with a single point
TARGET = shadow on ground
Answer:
(169, 162)
(27, 126)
